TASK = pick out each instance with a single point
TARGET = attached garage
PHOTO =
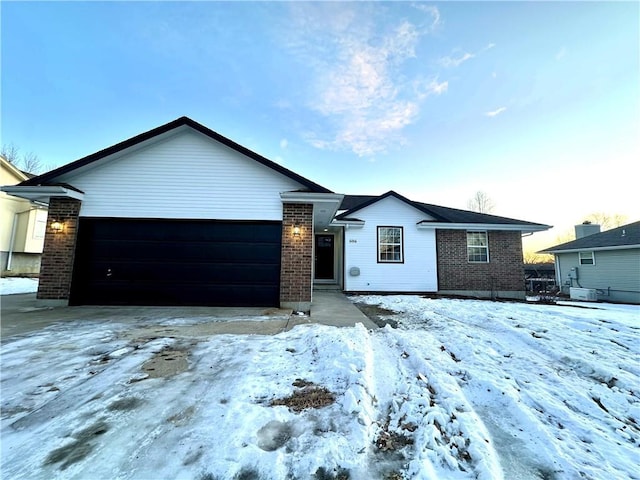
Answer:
(178, 215)
(176, 262)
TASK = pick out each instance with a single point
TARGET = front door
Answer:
(324, 257)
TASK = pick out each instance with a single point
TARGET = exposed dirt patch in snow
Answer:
(167, 362)
(308, 395)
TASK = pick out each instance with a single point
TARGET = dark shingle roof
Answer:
(352, 203)
(49, 177)
(624, 236)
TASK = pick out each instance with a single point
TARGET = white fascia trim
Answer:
(41, 193)
(592, 249)
(348, 223)
(309, 197)
(425, 225)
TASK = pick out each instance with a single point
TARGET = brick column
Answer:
(59, 249)
(296, 257)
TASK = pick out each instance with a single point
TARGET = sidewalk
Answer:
(332, 307)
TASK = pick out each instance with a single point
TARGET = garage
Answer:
(176, 262)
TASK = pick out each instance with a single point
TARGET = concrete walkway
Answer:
(332, 307)
(21, 314)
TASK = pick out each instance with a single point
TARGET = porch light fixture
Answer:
(57, 226)
(296, 230)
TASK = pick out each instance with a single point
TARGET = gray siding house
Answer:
(607, 262)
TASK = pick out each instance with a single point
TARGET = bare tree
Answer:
(11, 153)
(533, 257)
(481, 202)
(27, 162)
(607, 221)
(566, 236)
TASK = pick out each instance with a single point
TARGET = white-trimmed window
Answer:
(390, 248)
(587, 258)
(477, 247)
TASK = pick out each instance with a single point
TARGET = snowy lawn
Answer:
(13, 285)
(460, 390)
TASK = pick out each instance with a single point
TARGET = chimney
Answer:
(587, 228)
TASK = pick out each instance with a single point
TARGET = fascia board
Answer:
(482, 226)
(41, 193)
(592, 249)
(310, 197)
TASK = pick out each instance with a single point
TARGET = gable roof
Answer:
(353, 203)
(626, 236)
(50, 178)
(15, 171)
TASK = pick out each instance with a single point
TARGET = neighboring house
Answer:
(606, 262)
(22, 227)
(181, 215)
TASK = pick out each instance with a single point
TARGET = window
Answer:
(586, 258)
(390, 245)
(477, 247)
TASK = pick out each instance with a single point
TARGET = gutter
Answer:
(424, 225)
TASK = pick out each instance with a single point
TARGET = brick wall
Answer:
(59, 248)
(297, 255)
(505, 270)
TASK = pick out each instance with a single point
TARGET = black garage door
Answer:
(175, 262)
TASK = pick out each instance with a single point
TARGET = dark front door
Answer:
(324, 257)
(176, 262)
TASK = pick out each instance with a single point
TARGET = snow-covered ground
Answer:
(13, 285)
(461, 390)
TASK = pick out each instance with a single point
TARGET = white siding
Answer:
(187, 175)
(418, 272)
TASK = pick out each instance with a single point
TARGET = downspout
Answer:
(556, 261)
(12, 241)
(14, 228)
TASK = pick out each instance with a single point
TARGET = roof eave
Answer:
(425, 224)
(590, 249)
(42, 193)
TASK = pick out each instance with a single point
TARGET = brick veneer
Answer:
(297, 253)
(56, 267)
(504, 272)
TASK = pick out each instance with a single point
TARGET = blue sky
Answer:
(537, 104)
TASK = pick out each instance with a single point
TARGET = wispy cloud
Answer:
(432, 86)
(561, 53)
(449, 61)
(431, 10)
(456, 59)
(361, 92)
(496, 112)
(284, 143)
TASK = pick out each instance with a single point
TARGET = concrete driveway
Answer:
(22, 313)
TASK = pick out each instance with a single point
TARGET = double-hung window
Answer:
(477, 247)
(586, 258)
(390, 248)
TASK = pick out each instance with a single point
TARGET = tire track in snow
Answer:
(531, 375)
(431, 410)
